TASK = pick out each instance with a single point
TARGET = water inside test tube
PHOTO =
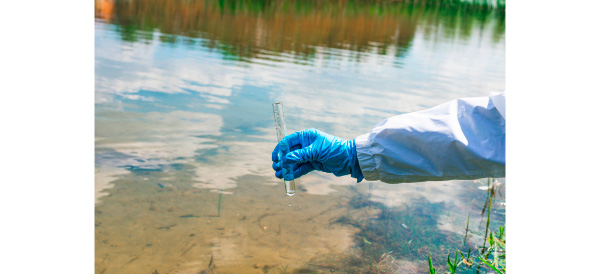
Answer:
(290, 186)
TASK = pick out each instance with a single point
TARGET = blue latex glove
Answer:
(310, 149)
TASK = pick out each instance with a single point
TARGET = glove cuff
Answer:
(355, 171)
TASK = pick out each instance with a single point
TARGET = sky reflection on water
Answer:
(190, 108)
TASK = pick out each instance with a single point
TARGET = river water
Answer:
(184, 132)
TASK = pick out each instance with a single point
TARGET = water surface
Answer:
(184, 130)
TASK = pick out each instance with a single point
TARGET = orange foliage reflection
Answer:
(245, 28)
(104, 9)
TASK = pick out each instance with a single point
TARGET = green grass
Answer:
(494, 254)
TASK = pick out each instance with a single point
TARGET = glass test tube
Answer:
(290, 186)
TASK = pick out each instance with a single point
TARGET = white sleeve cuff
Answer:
(366, 161)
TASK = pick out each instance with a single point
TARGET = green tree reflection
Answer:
(246, 29)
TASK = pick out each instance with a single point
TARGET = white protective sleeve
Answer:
(460, 139)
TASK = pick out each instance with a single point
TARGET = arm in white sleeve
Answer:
(460, 139)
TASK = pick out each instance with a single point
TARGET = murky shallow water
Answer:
(184, 130)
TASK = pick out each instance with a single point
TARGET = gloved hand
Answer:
(304, 151)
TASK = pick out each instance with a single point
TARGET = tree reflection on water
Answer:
(243, 29)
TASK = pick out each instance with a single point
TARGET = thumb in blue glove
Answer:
(304, 151)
